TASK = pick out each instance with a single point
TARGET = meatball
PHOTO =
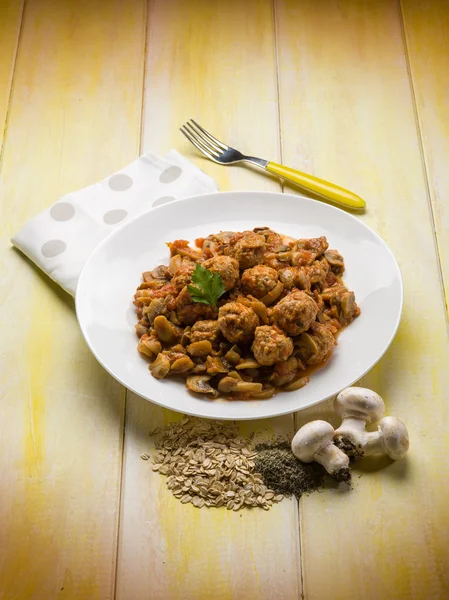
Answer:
(226, 267)
(293, 277)
(259, 281)
(183, 276)
(205, 330)
(247, 248)
(190, 312)
(295, 313)
(237, 322)
(271, 346)
(324, 341)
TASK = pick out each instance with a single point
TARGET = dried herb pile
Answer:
(284, 473)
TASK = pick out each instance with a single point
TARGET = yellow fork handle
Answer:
(330, 191)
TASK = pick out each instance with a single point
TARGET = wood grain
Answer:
(347, 115)
(10, 22)
(75, 117)
(426, 27)
(215, 63)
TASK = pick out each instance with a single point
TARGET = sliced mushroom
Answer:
(141, 329)
(297, 384)
(274, 294)
(348, 305)
(199, 384)
(335, 260)
(144, 298)
(215, 365)
(153, 345)
(190, 253)
(157, 307)
(229, 384)
(284, 256)
(155, 284)
(175, 264)
(203, 348)
(147, 276)
(159, 272)
(182, 365)
(233, 355)
(179, 348)
(268, 391)
(160, 367)
(248, 363)
(261, 310)
(248, 386)
(164, 329)
(143, 349)
(332, 294)
(304, 340)
(185, 338)
(235, 375)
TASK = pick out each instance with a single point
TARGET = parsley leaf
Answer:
(208, 286)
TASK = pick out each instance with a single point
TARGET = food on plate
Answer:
(243, 314)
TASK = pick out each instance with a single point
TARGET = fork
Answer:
(225, 155)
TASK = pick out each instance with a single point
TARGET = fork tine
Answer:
(193, 141)
(198, 130)
(209, 135)
(200, 140)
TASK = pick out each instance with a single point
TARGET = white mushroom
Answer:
(357, 407)
(314, 442)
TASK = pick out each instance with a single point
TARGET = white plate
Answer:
(112, 273)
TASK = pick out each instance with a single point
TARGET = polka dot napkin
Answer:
(60, 239)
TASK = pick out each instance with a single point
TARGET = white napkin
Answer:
(60, 239)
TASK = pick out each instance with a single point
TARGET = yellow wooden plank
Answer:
(348, 116)
(10, 21)
(214, 62)
(75, 117)
(426, 27)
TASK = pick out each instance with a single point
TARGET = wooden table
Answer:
(355, 92)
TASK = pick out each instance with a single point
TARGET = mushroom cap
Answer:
(311, 438)
(199, 384)
(359, 403)
(393, 437)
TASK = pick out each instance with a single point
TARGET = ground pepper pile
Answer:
(284, 473)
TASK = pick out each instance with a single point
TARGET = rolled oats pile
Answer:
(209, 464)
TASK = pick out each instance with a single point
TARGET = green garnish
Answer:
(208, 286)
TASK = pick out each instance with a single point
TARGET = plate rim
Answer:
(288, 196)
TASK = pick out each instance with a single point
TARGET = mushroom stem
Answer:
(314, 442)
(391, 438)
(334, 461)
(353, 424)
(371, 443)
